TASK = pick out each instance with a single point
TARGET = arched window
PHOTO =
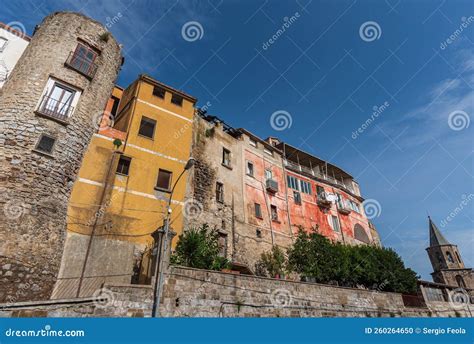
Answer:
(360, 234)
(460, 281)
(438, 256)
(457, 256)
(450, 257)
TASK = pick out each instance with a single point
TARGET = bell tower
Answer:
(448, 266)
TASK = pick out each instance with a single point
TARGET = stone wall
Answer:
(201, 293)
(36, 187)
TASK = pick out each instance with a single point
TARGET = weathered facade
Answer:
(47, 109)
(259, 193)
(12, 45)
(448, 266)
(120, 196)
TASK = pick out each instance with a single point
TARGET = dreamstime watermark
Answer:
(465, 22)
(103, 120)
(370, 31)
(458, 120)
(47, 331)
(109, 22)
(192, 209)
(372, 208)
(377, 111)
(280, 298)
(466, 199)
(192, 31)
(459, 298)
(17, 29)
(281, 120)
(287, 22)
(179, 132)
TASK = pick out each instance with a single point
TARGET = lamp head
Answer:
(190, 163)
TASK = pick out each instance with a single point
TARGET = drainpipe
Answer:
(285, 177)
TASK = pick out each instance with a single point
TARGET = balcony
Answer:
(343, 210)
(271, 185)
(82, 65)
(323, 200)
(55, 110)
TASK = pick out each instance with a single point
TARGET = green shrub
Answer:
(316, 258)
(272, 263)
(199, 248)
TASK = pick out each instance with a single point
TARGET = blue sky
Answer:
(328, 78)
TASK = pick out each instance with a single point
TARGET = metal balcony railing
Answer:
(81, 64)
(272, 185)
(50, 107)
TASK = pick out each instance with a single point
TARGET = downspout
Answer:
(266, 201)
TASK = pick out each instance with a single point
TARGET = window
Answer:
(258, 233)
(225, 157)
(252, 142)
(340, 201)
(354, 206)
(258, 211)
(335, 224)
(45, 144)
(222, 243)
(305, 187)
(360, 234)
(164, 180)
(177, 100)
(293, 183)
(57, 101)
(147, 127)
(83, 59)
(3, 43)
(457, 256)
(268, 175)
(267, 151)
(115, 105)
(220, 192)
(434, 294)
(297, 197)
(320, 191)
(250, 168)
(123, 165)
(159, 92)
(460, 281)
(223, 224)
(274, 212)
(450, 257)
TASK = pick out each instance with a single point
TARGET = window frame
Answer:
(140, 127)
(37, 149)
(274, 218)
(253, 142)
(158, 95)
(267, 151)
(124, 157)
(258, 210)
(297, 197)
(219, 192)
(336, 225)
(268, 172)
(250, 171)
(177, 96)
(169, 180)
(226, 152)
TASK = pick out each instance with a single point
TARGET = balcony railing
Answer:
(272, 185)
(343, 209)
(55, 109)
(82, 65)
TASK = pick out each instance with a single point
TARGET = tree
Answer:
(271, 263)
(199, 248)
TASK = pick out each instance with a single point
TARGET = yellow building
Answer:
(123, 186)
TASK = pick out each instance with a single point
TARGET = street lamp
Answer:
(158, 287)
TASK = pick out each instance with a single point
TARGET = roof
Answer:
(436, 238)
(15, 31)
(168, 88)
(293, 153)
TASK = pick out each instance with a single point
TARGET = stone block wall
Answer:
(36, 187)
(201, 293)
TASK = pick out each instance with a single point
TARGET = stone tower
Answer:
(49, 108)
(448, 267)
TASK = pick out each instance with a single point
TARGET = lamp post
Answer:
(158, 285)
